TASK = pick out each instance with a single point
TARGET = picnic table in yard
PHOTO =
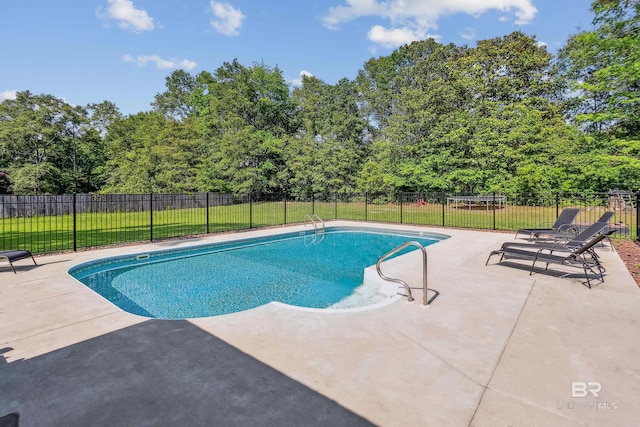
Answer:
(488, 202)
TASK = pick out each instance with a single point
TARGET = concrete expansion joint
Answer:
(428, 350)
(527, 402)
(62, 294)
(61, 326)
(504, 348)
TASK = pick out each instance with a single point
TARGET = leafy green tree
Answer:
(333, 139)
(301, 154)
(177, 100)
(510, 69)
(603, 65)
(149, 152)
(36, 178)
(30, 127)
(258, 95)
(431, 95)
(473, 119)
(42, 129)
(102, 115)
(92, 158)
(245, 116)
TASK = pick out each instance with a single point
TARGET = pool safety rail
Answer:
(316, 221)
(425, 299)
(318, 229)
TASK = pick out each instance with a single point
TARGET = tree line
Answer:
(504, 116)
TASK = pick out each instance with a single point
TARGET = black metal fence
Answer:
(45, 224)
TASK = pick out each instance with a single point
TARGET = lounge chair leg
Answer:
(586, 275)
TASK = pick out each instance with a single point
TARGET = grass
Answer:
(45, 234)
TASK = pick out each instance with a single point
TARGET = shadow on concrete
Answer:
(28, 267)
(19, 268)
(577, 276)
(159, 372)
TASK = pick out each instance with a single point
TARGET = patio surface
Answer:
(496, 348)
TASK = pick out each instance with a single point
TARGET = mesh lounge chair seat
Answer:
(575, 229)
(579, 240)
(562, 224)
(576, 257)
(12, 256)
(565, 240)
(604, 218)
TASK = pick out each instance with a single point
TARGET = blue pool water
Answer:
(228, 277)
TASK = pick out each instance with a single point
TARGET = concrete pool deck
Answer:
(498, 347)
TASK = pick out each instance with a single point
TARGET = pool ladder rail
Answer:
(318, 229)
(425, 299)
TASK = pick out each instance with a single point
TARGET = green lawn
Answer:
(43, 234)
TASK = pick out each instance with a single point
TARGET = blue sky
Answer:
(121, 50)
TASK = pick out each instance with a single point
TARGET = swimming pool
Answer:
(298, 268)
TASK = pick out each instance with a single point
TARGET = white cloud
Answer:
(354, 9)
(393, 37)
(163, 64)
(8, 94)
(540, 43)
(468, 33)
(128, 17)
(226, 20)
(415, 18)
(298, 82)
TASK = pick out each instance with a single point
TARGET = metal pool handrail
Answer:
(313, 218)
(425, 300)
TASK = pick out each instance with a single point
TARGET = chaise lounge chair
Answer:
(575, 229)
(562, 224)
(12, 256)
(564, 241)
(576, 257)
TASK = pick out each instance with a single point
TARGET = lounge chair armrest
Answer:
(559, 245)
(551, 250)
(568, 228)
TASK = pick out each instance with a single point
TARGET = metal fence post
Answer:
(443, 204)
(335, 206)
(494, 210)
(285, 209)
(151, 217)
(557, 204)
(400, 196)
(638, 216)
(207, 215)
(75, 224)
(366, 205)
(250, 210)
(313, 204)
